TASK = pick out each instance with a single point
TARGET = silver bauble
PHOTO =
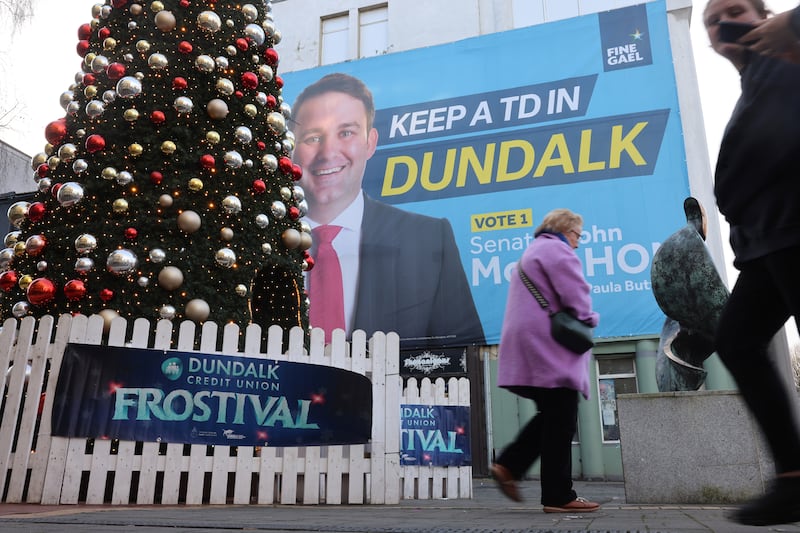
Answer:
(291, 238)
(209, 21)
(109, 96)
(303, 207)
(225, 86)
(197, 310)
(256, 33)
(261, 98)
(166, 312)
(20, 309)
(241, 290)
(222, 62)
(243, 134)
(85, 243)
(266, 248)
(143, 281)
(44, 184)
(124, 178)
(231, 204)
(230, 50)
(157, 255)
(266, 73)
(84, 265)
(129, 87)
(121, 262)
(262, 221)
(165, 200)
(233, 159)
(204, 63)
(11, 238)
(41, 266)
(79, 166)
(65, 99)
(217, 109)
(278, 209)
(250, 12)
(99, 64)
(225, 257)
(73, 108)
(226, 234)
(189, 221)
(165, 21)
(70, 194)
(183, 104)
(6, 258)
(298, 193)
(305, 240)
(270, 162)
(157, 61)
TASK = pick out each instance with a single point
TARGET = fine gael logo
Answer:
(172, 368)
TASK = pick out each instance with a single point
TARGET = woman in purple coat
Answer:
(533, 365)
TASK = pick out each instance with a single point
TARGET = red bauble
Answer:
(104, 32)
(43, 170)
(115, 71)
(56, 131)
(238, 94)
(184, 3)
(156, 177)
(41, 291)
(89, 79)
(207, 161)
(179, 83)
(74, 289)
(310, 263)
(54, 189)
(8, 280)
(261, 145)
(259, 186)
(250, 80)
(157, 117)
(95, 143)
(131, 233)
(294, 213)
(185, 47)
(36, 211)
(242, 44)
(297, 172)
(271, 55)
(82, 48)
(119, 3)
(279, 82)
(84, 32)
(106, 294)
(271, 101)
(285, 164)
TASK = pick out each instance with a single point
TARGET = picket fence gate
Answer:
(36, 467)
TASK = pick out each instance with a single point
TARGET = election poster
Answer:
(149, 395)
(491, 133)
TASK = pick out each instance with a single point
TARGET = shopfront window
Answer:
(615, 375)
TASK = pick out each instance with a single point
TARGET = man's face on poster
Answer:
(333, 144)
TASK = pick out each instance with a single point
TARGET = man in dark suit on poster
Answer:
(399, 271)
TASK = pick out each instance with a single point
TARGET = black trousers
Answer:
(766, 294)
(548, 435)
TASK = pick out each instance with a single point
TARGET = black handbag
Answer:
(567, 330)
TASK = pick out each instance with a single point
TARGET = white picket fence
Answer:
(36, 467)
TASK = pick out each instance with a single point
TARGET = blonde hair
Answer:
(559, 220)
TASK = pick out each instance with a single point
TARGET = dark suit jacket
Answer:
(411, 280)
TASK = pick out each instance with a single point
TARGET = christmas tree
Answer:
(167, 189)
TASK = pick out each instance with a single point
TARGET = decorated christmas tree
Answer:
(167, 190)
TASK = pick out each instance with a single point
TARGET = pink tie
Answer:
(326, 309)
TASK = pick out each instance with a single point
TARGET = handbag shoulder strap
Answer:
(532, 288)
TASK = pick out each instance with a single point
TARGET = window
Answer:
(339, 43)
(615, 375)
(373, 27)
(333, 48)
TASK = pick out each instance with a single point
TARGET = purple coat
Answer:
(528, 355)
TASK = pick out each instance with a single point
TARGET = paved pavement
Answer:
(488, 511)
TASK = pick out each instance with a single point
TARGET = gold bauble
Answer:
(135, 149)
(142, 46)
(251, 110)
(19, 249)
(286, 194)
(170, 278)
(25, 280)
(241, 290)
(120, 205)
(168, 147)
(109, 43)
(211, 136)
(195, 185)
(49, 149)
(90, 91)
(131, 115)
(109, 173)
(53, 162)
(136, 9)
(156, 6)
(37, 160)
(88, 58)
